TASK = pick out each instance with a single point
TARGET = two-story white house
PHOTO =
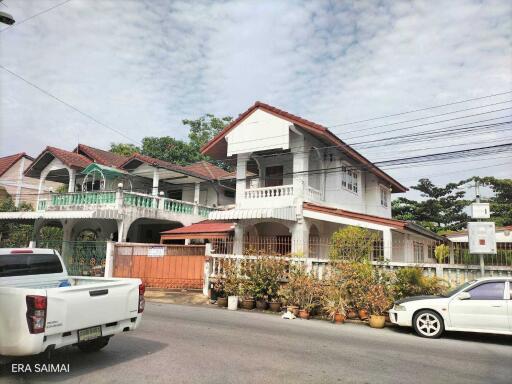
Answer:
(297, 183)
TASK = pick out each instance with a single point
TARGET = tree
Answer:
(353, 244)
(442, 209)
(177, 151)
(501, 202)
(124, 149)
(205, 128)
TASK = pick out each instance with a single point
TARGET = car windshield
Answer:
(458, 289)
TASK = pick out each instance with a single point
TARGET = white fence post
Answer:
(109, 259)
(206, 283)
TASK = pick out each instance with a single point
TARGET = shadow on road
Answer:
(487, 338)
(80, 363)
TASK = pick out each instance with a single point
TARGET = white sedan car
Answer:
(482, 305)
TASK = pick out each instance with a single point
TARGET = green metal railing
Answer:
(137, 200)
(41, 206)
(204, 211)
(83, 198)
(82, 258)
(178, 206)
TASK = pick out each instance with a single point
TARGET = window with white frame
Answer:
(350, 179)
(384, 196)
(419, 255)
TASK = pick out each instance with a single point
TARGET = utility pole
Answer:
(481, 255)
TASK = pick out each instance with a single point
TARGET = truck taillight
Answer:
(142, 301)
(36, 313)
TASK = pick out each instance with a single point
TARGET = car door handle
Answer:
(497, 306)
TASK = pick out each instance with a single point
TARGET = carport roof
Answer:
(202, 230)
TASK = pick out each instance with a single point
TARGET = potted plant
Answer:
(379, 301)
(231, 285)
(334, 302)
(219, 288)
(309, 295)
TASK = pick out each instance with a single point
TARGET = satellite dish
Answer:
(6, 18)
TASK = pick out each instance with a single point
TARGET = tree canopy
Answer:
(177, 151)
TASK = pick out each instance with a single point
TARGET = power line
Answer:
(34, 16)
(47, 93)
(419, 110)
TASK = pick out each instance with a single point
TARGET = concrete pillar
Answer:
(241, 174)
(109, 259)
(300, 239)
(42, 178)
(238, 241)
(72, 178)
(197, 193)
(19, 183)
(207, 269)
(122, 230)
(387, 243)
(300, 171)
(67, 246)
(156, 181)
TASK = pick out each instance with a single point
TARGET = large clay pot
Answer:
(339, 318)
(261, 305)
(232, 303)
(222, 302)
(275, 306)
(363, 314)
(377, 321)
(351, 314)
(248, 304)
(304, 314)
(293, 309)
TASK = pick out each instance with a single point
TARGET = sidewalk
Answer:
(175, 296)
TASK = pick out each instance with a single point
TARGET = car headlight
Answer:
(399, 307)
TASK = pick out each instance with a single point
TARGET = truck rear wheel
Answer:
(93, 345)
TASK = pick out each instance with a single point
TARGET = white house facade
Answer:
(298, 182)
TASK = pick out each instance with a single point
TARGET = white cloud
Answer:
(141, 67)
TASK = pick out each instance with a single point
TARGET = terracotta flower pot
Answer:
(275, 306)
(339, 318)
(261, 305)
(351, 314)
(377, 321)
(363, 314)
(293, 309)
(304, 314)
(222, 301)
(248, 304)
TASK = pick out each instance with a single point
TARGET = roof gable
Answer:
(8, 161)
(217, 147)
(101, 156)
(70, 159)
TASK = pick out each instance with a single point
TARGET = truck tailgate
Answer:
(91, 304)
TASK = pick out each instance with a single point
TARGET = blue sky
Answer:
(141, 67)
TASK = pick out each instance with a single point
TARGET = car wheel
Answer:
(93, 345)
(428, 324)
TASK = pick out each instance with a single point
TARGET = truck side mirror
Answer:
(464, 296)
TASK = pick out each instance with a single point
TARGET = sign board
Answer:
(482, 238)
(480, 211)
(156, 252)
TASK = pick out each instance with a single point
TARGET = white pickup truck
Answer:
(42, 308)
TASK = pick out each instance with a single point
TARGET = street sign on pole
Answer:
(482, 237)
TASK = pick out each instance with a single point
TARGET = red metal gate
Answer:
(161, 266)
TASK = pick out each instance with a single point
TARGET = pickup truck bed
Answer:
(99, 307)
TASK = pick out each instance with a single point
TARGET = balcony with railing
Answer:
(114, 200)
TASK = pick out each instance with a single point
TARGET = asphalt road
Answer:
(197, 344)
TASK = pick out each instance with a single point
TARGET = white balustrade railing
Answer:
(313, 194)
(269, 192)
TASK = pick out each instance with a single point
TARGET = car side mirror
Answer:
(464, 296)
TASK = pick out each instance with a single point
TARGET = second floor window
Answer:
(384, 196)
(350, 179)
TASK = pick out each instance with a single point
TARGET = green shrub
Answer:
(412, 282)
(352, 244)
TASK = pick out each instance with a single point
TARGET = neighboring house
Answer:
(117, 197)
(503, 236)
(297, 182)
(20, 188)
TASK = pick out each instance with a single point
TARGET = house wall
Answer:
(15, 182)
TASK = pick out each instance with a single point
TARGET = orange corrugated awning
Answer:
(201, 230)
